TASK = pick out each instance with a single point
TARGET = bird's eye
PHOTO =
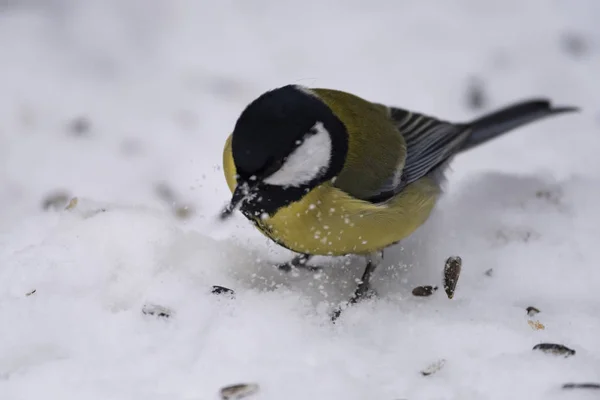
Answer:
(273, 167)
(312, 131)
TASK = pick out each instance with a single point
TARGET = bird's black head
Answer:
(286, 142)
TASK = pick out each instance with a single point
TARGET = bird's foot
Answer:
(288, 267)
(362, 292)
(299, 262)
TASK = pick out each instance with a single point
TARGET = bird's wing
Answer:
(429, 143)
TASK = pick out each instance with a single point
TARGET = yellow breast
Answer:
(328, 221)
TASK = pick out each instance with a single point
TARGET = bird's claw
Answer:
(288, 267)
(298, 262)
(362, 292)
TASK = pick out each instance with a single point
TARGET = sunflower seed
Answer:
(451, 274)
(433, 368)
(30, 293)
(556, 349)
(531, 311)
(238, 391)
(581, 386)
(216, 289)
(423, 291)
(156, 310)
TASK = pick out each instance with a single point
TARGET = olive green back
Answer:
(375, 147)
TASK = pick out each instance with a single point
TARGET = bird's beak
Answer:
(241, 193)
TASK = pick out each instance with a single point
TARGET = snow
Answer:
(161, 83)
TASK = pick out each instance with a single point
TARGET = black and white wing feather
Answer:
(429, 142)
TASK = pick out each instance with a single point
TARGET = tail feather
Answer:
(498, 122)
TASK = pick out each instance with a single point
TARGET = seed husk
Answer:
(554, 348)
(30, 293)
(451, 273)
(531, 311)
(433, 368)
(586, 385)
(239, 391)
(72, 203)
(156, 310)
(216, 289)
(423, 291)
(536, 325)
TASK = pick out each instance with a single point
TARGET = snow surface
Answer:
(162, 81)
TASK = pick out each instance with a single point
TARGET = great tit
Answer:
(325, 172)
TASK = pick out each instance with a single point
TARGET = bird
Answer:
(324, 172)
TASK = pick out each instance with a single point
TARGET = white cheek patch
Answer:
(307, 161)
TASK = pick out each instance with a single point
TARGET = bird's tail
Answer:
(499, 122)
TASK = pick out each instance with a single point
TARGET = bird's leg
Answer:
(298, 262)
(363, 290)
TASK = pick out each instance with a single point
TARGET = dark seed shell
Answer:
(553, 348)
(238, 391)
(433, 368)
(216, 289)
(581, 386)
(156, 310)
(531, 311)
(423, 291)
(451, 274)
